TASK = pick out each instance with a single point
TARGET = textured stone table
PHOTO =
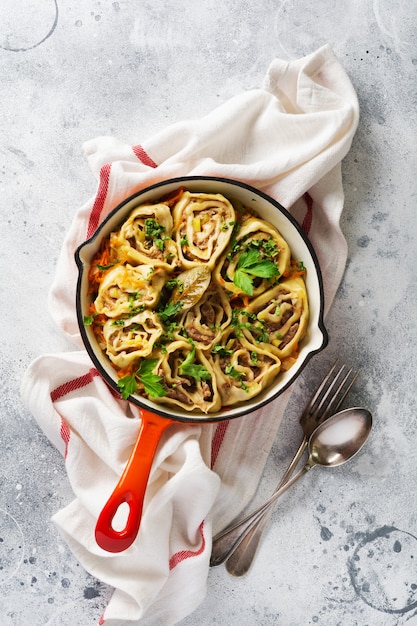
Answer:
(72, 71)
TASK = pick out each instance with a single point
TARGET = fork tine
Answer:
(328, 401)
(339, 395)
(319, 391)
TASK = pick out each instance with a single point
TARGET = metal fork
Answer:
(242, 539)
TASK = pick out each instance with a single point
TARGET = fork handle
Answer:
(242, 555)
(296, 459)
(225, 542)
(241, 558)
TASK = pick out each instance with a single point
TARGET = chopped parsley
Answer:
(277, 307)
(103, 268)
(194, 370)
(230, 371)
(173, 283)
(170, 310)
(256, 326)
(221, 350)
(154, 231)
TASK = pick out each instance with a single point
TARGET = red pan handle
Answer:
(131, 486)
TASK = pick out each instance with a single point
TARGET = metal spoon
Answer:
(332, 443)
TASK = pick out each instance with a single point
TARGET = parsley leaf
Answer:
(151, 382)
(174, 282)
(221, 350)
(153, 230)
(250, 264)
(170, 310)
(243, 281)
(103, 268)
(196, 371)
(230, 371)
(127, 385)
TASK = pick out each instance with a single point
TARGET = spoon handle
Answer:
(241, 557)
(226, 541)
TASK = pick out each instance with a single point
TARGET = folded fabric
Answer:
(287, 139)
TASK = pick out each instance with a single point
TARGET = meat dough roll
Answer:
(145, 237)
(278, 318)
(203, 225)
(207, 319)
(125, 288)
(187, 378)
(128, 340)
(242, 369)
(257, 257)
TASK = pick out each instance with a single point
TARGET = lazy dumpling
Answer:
(203, 224)
(129, 340)
(187, 378)
(278, 318)
(242, 369)
(125, 288)
(206, 320)
(256, 258)
(145, 237)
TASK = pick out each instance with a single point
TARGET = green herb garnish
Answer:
(277, 307)
(174, 282)
(170, 310)
(251, 264)
(195, 370)
(103, 268)
(88, 320)
(150, 381)
(230, 371)
(153, 230)
(221, 351)
(127, 385)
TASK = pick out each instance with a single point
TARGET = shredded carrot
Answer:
(173, 197)
(127, 371)
(294, 270)
(102, 259)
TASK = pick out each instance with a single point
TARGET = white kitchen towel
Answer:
(288, 139)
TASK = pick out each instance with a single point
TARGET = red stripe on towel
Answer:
(217, 440)
(65, 435)
(308, 218)
(103, 187)
(73, 385)
(182, 555)
(143, 156)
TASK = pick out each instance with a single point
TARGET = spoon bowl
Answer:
(340, 437)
